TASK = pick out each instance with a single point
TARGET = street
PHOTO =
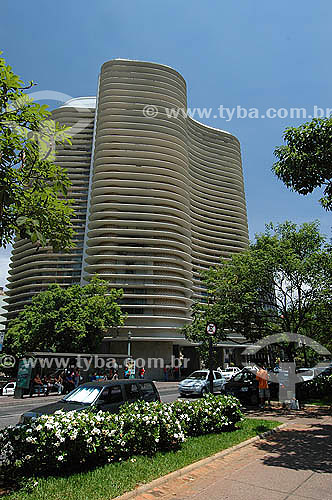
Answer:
(11, 409)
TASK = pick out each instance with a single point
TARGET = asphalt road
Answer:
(11, 409)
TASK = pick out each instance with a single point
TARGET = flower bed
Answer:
(53, 443)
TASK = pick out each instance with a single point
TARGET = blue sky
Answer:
(253, 54)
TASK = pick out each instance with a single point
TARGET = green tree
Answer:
(32, 187)
(305, 162)
(281, 283)
(73, 319)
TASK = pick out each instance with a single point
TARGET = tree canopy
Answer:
(32, 186)
(281, 283)
(305, 162)
(73, 319)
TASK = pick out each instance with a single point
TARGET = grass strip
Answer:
(109, 481)
(324, 401)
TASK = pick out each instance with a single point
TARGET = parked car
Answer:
(106, 395)
(305, 373)
(9, 389)
(245, 387)
(323, 370)
(198, 383)
(229, 372)
(253, 368)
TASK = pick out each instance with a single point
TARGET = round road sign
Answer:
(211, 328)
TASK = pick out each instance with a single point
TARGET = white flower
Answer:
(60, 458)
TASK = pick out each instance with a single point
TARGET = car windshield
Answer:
(198, 375)
(85, 395)
(239, 377)
(228, 370)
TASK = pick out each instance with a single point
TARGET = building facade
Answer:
(158, 199)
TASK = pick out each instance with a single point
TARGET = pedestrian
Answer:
(58, 383)
(37, 384)
(126, 373)
(77, 377)
(115, 375)
(47, 385)
(69, 382)
(141, 372)
(263, 386)
(166, 372)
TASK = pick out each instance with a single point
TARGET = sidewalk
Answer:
(294, 463)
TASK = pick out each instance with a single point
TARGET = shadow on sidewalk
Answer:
(300, 449)
(286, 414)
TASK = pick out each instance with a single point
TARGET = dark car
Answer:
(245, 387)
(104, 395)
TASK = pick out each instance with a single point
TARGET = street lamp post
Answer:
(129, 345)
(302, 343)
(305, 353)
(211, 330)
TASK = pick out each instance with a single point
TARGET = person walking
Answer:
(263, 386)
(141, 372)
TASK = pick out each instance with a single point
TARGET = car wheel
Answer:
(204, 391)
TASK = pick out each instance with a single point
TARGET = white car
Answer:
(252, 368)
(305, 373)
(9, 389)
(198, 383)
(228, 373)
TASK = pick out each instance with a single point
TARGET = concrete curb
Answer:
(201, 463)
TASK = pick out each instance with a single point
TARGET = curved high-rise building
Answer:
(159, 198)
(32, 271)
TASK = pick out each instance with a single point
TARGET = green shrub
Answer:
(316, 388)
(62, 441)
(209, 414)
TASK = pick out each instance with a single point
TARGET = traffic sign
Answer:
(211, 328)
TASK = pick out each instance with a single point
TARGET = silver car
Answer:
(198, 383)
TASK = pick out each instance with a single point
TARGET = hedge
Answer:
(318, 387)
(75, 440)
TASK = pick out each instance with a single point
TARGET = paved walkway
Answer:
(294, 463)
